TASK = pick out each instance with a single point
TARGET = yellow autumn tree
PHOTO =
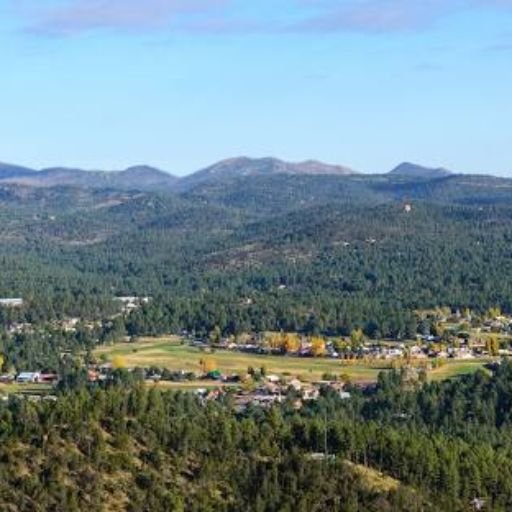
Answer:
(493, 313)
(208, 365)
(274, 340)
(492, 345)
(290, 342)
(317, 346)
(118, 362)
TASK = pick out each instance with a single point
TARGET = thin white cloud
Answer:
(376, 15)
(224, 16)
(75, 16)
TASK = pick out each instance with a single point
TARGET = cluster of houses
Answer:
(462, 339)
(274, 389)
(265, 391)
(129, 304)
(29, 378)
(212, 385)
(423, 348)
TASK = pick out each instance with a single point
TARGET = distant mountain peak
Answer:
(317, 167)
(244, 166)
(146, 178)
(143, 168)
(11, 170)
(413, 170)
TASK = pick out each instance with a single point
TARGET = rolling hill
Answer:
(142, 177)
(146, 178)
(411, 170)
(13, 171)
(243, 167)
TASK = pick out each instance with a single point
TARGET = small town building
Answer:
(11, 303)
(28, 377)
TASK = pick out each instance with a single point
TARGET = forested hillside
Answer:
(315, 253)
(127, 447)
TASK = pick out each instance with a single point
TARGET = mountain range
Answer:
(141, 177)
(242, 228)
(146, 178)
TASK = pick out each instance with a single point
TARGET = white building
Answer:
(28, 377)
(11, 303)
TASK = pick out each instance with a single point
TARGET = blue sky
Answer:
(180, 84)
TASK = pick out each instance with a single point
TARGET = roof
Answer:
(28, 375)
(11, 302)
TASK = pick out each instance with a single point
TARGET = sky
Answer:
(180, 84)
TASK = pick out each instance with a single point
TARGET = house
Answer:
(128, 304)
(461, 353)
(266, 401)
(11, 303)
(272, 388)
(415, 350)
(295, 384)
(392, 353)
(28, 377)
(92, 375)
(214, 394)
(49, 378)
(105, 368)
(311, 393)
(70, 324)
(478, 504)
(133, 300)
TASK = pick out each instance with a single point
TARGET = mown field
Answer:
(172, 354)
(26, 389)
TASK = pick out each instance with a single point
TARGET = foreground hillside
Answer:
(399, 447)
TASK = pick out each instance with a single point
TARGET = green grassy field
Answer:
(456, 368)
(191, 385)
(28, 389)
(170, 353)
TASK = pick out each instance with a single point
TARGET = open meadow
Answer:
(171, 353)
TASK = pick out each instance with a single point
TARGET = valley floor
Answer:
(171, 353)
